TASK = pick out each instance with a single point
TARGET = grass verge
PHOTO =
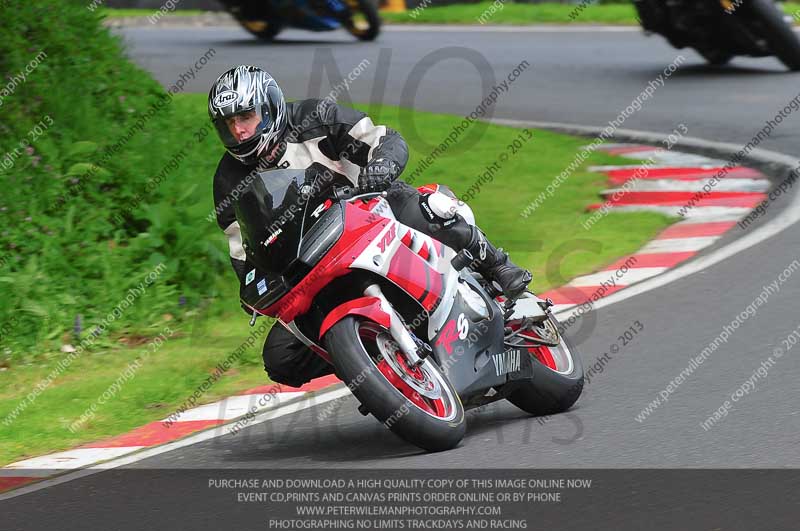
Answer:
(523, 14)
(552, 235)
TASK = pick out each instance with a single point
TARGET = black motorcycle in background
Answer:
(721, 29)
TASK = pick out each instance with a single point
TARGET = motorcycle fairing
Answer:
(417, 264)
(360, 229)
(470, 348)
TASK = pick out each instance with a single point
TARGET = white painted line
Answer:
(235, 406)
(700, 222)
(71, 459)
(635, 274)
(697, 214)
(640, 155)
(634, 167)
(678, 245)
(669, 185)
(673, 158)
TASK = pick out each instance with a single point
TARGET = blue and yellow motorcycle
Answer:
(266, 18)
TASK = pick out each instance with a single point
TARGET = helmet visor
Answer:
(245, 125)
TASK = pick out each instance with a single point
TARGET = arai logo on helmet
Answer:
(224, 99)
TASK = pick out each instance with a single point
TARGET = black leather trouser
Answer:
(288, 361)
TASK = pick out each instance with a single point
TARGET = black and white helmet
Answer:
(248, 88)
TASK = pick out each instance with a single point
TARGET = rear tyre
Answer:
(558, 375)
(364, 22)
(779, 35)
(419, 405)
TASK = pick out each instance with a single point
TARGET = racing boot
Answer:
(495, 265)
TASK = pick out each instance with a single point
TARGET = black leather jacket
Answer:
(318, 131)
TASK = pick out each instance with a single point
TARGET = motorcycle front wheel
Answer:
(364, 22)
(417, 404)
(779, 35)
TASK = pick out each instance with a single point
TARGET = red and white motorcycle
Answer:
(414, 333)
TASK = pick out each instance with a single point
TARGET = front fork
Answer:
(415, 350)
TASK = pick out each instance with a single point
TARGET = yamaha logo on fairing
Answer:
(272, 237)
(224, 99)
(506, 362)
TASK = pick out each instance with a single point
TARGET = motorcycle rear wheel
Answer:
(419, 405)
(779, 35)
(558, 377)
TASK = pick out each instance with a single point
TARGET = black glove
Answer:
(377, 175)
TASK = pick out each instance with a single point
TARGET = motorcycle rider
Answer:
(260, 130)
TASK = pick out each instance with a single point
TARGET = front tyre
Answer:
(364, 21)
(419, 405)
(779, 35)
(558, 374)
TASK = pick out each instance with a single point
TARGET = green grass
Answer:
(165, 379)
(522, 14)
(172, 373)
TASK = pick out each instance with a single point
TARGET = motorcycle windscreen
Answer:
(270, 213)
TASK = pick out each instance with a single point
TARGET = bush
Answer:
(79, 223)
